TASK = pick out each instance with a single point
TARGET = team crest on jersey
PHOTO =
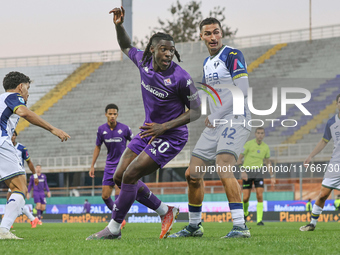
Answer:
(21, 100)
(216, 64)
(120, 131)
(167, 81)
(104, 133)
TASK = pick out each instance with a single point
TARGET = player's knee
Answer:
(130, 176)
(195, 182)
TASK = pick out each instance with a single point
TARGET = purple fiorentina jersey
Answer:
(114, 140)
(41, 186)
(165, 94)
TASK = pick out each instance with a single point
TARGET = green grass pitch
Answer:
(273, 238)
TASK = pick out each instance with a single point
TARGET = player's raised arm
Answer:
(35, 119)
(124, 40)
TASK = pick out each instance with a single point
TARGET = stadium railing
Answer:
(280, 153)
(190, 47)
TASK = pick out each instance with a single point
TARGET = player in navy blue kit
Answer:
(24, 155)
(12, 107)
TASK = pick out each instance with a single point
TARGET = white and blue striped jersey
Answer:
(332, 130)
(222, 69)
(9, 102)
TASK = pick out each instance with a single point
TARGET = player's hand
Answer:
(36, 181)
(207, 123)
(91, 172)
(244, 176)
(49, 194)
(28, 195)
(306, 162)
(61, 134)
(118, 15)
(152, 129)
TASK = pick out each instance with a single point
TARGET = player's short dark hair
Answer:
(209, 21)
(155, 38)
(15, 133)
(259, 128)
(13, 79)
(337, 98)
(111, 106)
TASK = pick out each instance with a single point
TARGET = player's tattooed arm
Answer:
(155, 129)
(124, 40)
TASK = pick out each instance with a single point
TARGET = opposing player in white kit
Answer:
(24, 156)
(12, 107)
(222, 143)
(332, 176)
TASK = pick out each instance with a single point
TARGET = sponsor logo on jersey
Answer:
(156, 91)
(233, 53)
(167, 82)
(114, 140)
(236, 64)
(21, 100)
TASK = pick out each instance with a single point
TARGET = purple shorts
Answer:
(108, 176)
(39, 197)
(162, 150)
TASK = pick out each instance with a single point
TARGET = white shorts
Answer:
(332, 176)
(10, 163)
(222, 139)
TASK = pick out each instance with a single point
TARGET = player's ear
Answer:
(152, 49)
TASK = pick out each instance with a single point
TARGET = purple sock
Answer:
(39, 214)
(122, 205)
(116, 197)
(109, 203)
(146, 197)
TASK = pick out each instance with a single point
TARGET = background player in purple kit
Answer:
(114, 135)
(39, 192)
(166, 90)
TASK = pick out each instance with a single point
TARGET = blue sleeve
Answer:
(136, 56)
(236, 64)
(188, 92)
(327, 136)
(13, 101)
(25, 154)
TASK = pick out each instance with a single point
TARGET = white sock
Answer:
(238, 218)
(195, 218)
(162, 209)
(114, 227)
(317, 210)
(12, 210)
(27, 212)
